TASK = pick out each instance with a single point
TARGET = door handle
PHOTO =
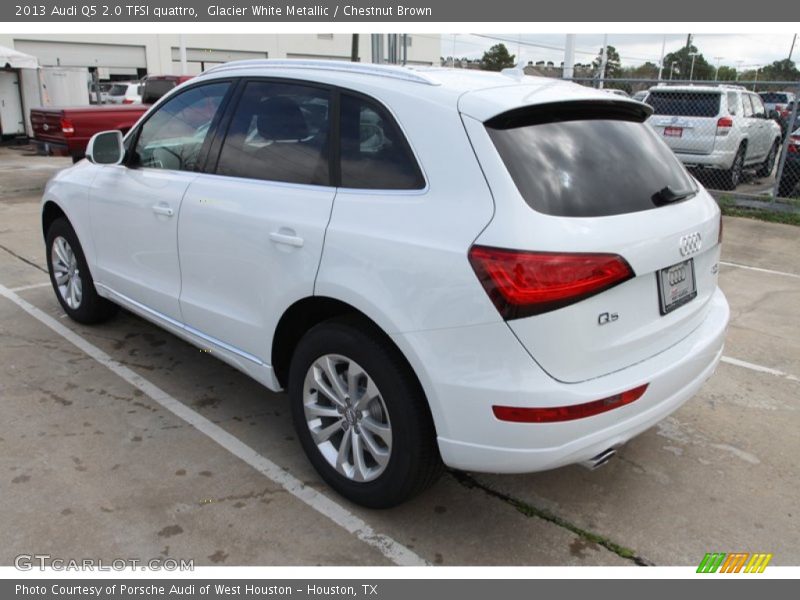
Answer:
(288, 238)
(160, 209)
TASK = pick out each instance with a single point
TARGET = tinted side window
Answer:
(279, 132)
(173, 136)
(748, 106)
(374, 152)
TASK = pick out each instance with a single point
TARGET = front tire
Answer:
(361, 415)
(70, 277)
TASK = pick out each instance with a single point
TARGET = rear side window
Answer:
(733, 104)
(589, 166)
(279, 132)
(374, 153)
(684, 104)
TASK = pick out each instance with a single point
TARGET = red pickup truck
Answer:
(65, 131)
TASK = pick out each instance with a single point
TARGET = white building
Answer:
(131, 56)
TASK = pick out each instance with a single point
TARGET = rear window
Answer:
(685, 104)
(589, 166)
(118, 89)
(774, 98)
(155, 88)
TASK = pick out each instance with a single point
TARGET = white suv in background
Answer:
(724, 127)
(492, 272)
(125, 92)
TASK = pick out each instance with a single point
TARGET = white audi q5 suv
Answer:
(487, 271)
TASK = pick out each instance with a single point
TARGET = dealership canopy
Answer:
(10, 58)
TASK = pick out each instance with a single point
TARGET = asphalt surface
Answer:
(134, 444)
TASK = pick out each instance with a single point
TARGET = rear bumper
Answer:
(719, 159)
(467, 371)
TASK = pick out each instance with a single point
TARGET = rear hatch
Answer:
(686, 119)
(603, 250)
(47, 124)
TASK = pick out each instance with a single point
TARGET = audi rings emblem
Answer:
(677, 275)
(690, 243)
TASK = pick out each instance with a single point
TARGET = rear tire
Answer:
(765, 170)
(731, 177)
(373, 438)
(70, 276)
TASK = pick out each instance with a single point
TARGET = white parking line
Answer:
(391, 549)
(749, 268)
(759, 368)
(32, 286)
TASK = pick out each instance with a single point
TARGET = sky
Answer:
(736, 50)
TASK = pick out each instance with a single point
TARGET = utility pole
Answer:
(603, 60)
(182, 53)
(569, 57)
(791, 50)
(661, 62)
(354, 49)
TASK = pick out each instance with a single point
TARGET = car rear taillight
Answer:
(555, 414)
(127, 101)
(67, 128)
(724, 125)
(523, 283)
(794, 144)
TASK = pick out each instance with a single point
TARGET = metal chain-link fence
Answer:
(743, 137)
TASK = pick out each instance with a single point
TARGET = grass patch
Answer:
(730, 209)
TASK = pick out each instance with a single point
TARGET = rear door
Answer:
(686, 120)
(134, 207)
(251, 228)
(577, 185)
(761, 136)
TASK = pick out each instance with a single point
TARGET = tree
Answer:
(726, 73)
(613, 66)
(497, 58)
(682, 68)
(780, 70)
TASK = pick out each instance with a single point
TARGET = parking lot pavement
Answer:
(94, 464)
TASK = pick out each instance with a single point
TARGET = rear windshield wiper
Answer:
(667, 195)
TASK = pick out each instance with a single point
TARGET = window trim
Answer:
(212, 129)
(334, 167)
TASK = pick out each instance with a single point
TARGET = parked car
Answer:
(65, 131)
(127, 92)
(101, 89)
(724, 128)
(641, 95)
(776, 100)
(527, 285)
(617, 92)
(791, 168)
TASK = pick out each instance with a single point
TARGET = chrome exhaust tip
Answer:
(598, 461)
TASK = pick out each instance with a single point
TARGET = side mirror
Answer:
(105, 148)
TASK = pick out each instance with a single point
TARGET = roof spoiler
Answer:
(577, 110)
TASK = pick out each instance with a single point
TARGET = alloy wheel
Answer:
(66, 272)
(347, 417)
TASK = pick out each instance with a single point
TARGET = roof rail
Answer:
(391, 71)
